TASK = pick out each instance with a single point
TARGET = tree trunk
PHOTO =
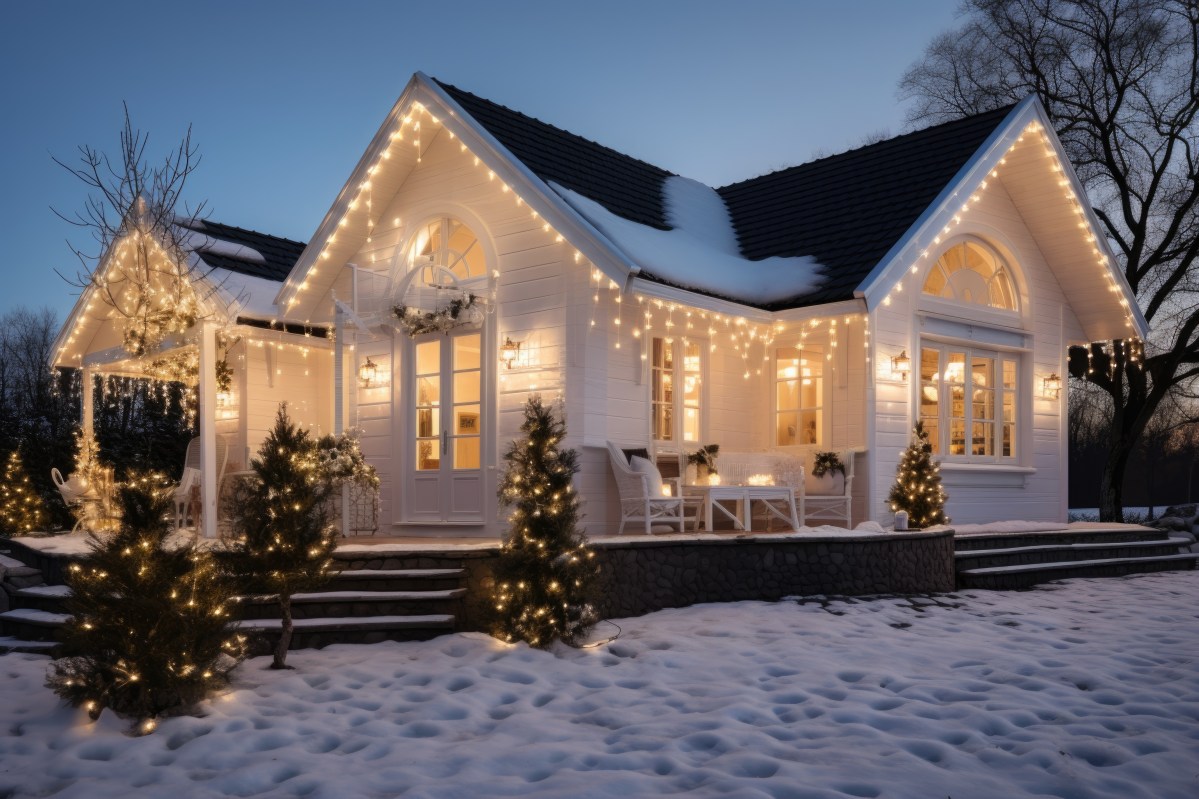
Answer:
(1111, 485)
(280, 661)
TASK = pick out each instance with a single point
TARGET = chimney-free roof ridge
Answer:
(999, 112)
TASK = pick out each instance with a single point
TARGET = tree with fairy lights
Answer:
(149, 629)
(286, 543)
(21, 508)
(545, 567)
(917, 489)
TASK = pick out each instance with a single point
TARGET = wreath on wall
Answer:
(464, 310)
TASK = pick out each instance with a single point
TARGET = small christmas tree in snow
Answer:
(149, 629)
(21, 508)
(287, 546)
(545, 567)
(917, 489)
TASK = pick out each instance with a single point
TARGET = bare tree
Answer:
(137, 218)
(1120, 81)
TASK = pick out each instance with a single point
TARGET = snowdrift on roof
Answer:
(700, 252)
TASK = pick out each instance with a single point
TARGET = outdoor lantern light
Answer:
(1051, 387)
(508, 352)
(368, 372)
(901, 364)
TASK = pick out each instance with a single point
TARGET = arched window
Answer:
(972, 273)
(449, 244)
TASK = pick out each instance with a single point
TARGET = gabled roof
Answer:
(848, 210)
(622, 184)
(245, 252)
(845, 211)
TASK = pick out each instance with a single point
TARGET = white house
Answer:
(940, 276)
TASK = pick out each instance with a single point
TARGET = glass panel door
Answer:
(447, 428)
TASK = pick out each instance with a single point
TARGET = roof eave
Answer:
(893, 265)
(588, 240)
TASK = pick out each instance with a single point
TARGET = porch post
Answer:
(339, 399)
(87, 394)
(208, 475)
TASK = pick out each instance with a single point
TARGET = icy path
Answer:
(1085, 690)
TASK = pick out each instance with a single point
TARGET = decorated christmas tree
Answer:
(545, 568)
(149, 629)
(21, 508)
(917, 489)
(286, 543)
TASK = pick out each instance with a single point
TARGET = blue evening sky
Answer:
(283, 97)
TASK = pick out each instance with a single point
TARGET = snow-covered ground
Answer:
(1089, 689)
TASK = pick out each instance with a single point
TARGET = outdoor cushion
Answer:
(639, 452)
(644, 466)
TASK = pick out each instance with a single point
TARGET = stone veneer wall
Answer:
(638, 577)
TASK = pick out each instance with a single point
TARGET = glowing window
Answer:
(447, 243)
(676, 382)
(972, 273)
(799, 392)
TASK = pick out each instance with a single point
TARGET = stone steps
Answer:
(376, 596)
(396, 579)
(1051, 553)
(360, 604)
(1024, 560)
(1073, 535)
(263, 634)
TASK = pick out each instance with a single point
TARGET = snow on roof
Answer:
(244, 295)
(701, 251)
(204, 244)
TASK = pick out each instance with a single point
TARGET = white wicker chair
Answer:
(639, 504)
(826, 508)
(192, 477)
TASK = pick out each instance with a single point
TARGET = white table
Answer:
(744, 496)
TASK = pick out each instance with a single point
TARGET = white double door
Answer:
(445, 429)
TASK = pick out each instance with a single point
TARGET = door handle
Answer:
(445, 441)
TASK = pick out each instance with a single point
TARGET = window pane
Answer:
(428, 455)
(786, 363)
(809, 427)
(787, 429)
(1009, 440)
(428, 422)
(466, 387)
(664, 426)
(957, 437)
(428, 390)
(932, 426)
(466, 453)
(428, 357)
(982, 438)
(955, 368)
(466, 351)
(691, 424)
(787, 395)
(467, 421)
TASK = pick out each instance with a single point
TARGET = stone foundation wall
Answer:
(643, 576)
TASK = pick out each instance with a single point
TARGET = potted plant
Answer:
(825, 466)
(704, 461)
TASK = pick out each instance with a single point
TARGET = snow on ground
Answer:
(1084, 689)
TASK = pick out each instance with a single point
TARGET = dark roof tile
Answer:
(848, 210)
(279, 255)
(620, 183)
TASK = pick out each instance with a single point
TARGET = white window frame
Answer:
(678, 402)
(1019, 394)
(822, 427)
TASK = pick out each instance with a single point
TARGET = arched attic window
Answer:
(970, 272)
(447, 243)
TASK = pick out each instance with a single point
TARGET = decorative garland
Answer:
(461, 311)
